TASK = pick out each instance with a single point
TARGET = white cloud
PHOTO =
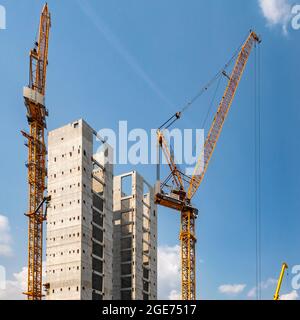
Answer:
(5, 237)
(290, 296)
(174, 295)
(232, 289)
(15, 287)
(252, 293)
(169, 272)
(276, 12)
(263, 286)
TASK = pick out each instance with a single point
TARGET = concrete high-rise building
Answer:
(101, 238)
(79, 224)
(135, 239)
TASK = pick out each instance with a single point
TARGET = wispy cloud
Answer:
(293, 295)
(276, 12)
(116, 43)
(232, 289)
(5, 237)
(263, 286)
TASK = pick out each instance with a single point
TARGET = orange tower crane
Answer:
(185, 187)
(34, 96)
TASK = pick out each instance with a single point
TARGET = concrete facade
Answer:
(135, 239)
(101, 238)
(79, 225)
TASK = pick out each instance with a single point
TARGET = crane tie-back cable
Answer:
(257, 139)
(218, 75)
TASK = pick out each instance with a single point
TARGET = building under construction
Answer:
(101, 239)
(135, 239)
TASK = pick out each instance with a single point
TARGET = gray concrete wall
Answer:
(140, 209)
(87, 202)
(69, 225)
(106, 175)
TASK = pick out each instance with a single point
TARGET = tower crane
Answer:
(34, 96)
(185, 187)
(283, 269)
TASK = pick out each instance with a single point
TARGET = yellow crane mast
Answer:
(34, 96)
(179, 198)
(279, 283)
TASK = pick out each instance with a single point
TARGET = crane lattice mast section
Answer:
(180, 199)
(34, 96)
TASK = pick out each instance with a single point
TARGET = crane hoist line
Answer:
(34, 96)
(185, 187)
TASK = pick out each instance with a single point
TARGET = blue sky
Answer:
(141, 61)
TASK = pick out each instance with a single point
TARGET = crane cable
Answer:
(217, 76)
(257, 156)
(211, 104)
(209, 110)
